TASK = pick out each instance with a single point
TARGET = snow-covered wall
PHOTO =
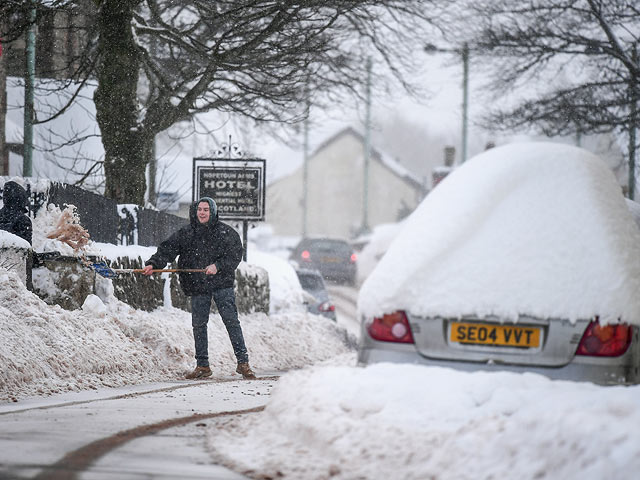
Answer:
(66, 282)
(14, 253)
(14, 259)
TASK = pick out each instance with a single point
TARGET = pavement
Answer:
(153, 431)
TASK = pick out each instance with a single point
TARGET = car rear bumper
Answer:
(598, 370)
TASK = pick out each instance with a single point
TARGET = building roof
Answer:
(384, 159)
(376, 155)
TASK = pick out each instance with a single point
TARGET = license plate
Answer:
(330, 260)
(498, 335)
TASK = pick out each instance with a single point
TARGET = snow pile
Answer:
(376, 247)
(539, 229)
(415, 422)
(9, 240)
(634, 208)
(283, 281)
(47, 350)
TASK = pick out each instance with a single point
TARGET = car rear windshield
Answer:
(329, 246)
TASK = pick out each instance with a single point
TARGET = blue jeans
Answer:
(225, 299)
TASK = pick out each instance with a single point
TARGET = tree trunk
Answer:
(4, 152)
(116, 102)
(153, 166)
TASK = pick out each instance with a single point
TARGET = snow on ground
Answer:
(47, 350)
(376, 247)
(415, 422)
(418, 422)
(285, 283)
(331, 419)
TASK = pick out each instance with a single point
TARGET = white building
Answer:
(335, 191)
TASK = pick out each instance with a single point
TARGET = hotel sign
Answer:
(237, 186)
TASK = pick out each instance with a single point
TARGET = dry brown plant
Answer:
(69, 231)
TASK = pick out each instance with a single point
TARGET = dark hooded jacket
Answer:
(12, 214)
(198, 246)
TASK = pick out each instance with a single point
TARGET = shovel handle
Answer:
(184, 270)
(160, 270)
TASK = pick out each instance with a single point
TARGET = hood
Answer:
(15, 197)
(213, 219)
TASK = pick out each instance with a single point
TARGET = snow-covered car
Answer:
(334, 258)
(634, 208)
(316, 296)
(525, 258)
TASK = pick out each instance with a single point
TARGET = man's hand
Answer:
(211, 269)
(147, 270)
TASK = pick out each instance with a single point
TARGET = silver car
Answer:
(476, 283)
(556, 348)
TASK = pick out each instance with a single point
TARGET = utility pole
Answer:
(633, 121)
(465, 98)
(367, 152)
(4, 153)
(29, 83)
(305, 172)
(464, 53)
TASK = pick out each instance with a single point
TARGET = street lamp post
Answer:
(367, 154)
(633, 120)
(465, 98)
(464, 52)
(305, 172)
(29, 82)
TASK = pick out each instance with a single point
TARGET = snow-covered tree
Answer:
(570, 66)
(158, 62)
(256, 58)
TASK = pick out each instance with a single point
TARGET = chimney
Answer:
(449, 155)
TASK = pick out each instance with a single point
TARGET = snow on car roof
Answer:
(537, 229)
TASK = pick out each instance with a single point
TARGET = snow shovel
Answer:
(106, 271)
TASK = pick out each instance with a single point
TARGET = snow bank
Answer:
(283, 281)
(414, 422)
(47, 350)
(526, 229)
(9, 240)
(374, 250)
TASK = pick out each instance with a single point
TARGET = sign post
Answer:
(237, 186)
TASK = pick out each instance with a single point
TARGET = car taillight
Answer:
(305, 255)
(326, 307)
(354, 257)
(605, 341)
(392, 327)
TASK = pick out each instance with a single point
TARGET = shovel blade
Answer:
(103, 270)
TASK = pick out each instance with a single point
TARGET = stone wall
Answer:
(252, 291)
(66, 282)
(15, 259)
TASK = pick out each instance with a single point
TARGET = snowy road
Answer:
(154, 430)
(146, 431)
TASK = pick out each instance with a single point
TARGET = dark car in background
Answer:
(316, 296)
(334, 258)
